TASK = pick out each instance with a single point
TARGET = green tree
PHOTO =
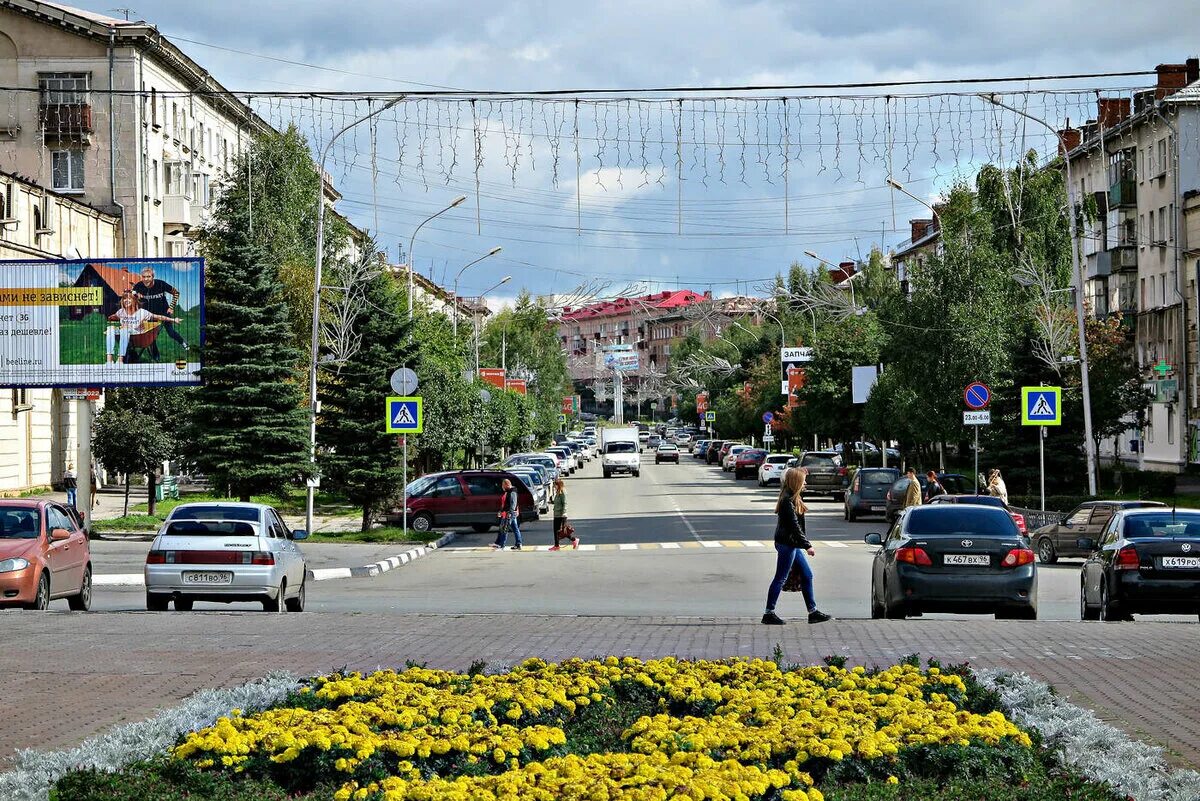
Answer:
(165, 409)
(129, 441)
(449, 400)
(1119, 400)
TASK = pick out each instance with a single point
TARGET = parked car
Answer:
(566, 458)
(983, 500)
(1144, 562)
(698, 447)
(532, 480)
(712, 454)
(545, 460)
(226, 552)
(774, 466)
(667, 452)
(952, 483)
(868, 492)
(953, 558)
(826, 474)
(1058, 540)
(44, 555)
(731, 455)
(643, 436)
(461, 498)
(747, 463)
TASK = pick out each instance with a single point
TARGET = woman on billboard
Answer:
(131, 320)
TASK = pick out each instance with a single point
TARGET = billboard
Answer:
(790, 360)
(101, 322)
(493, 376)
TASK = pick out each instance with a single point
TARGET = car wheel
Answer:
(183, 604)
(1110, 611)
(607, 474)
(1086, 610)
(876, 606)
(637, 473)
(851, 515)
(892, 611)
(297, 604)
(156, 602)
(1045, 549)
(276, 604)
(481, 528)
(82, 601)
(42, 599)
(422, 521)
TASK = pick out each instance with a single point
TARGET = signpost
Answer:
(977, 396)
(404, 383)
(404, 415)
(1041, 406)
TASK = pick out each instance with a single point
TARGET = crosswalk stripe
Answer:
(834, 544)
(628, 546)
(590, 547)
(712, 544)
(753, 543)
(669, 544)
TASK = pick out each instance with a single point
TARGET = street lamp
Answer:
(475, 316)
(314, 404)
(491, 252)
(1085, 383)
(899, 187)
(849, 283)
(412, 241)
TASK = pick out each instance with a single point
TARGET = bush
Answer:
(1143, 483)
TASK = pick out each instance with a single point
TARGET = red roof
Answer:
(658, 300)
(118, 280)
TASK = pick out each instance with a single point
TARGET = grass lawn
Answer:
(376, 535)
(289, 504)
(141, 522)
(82, 341)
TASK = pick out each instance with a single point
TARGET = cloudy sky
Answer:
(621, 222)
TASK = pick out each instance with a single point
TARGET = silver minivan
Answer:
(225, 552)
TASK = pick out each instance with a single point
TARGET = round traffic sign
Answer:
(768, 417)
(977, 395)
(403, 381)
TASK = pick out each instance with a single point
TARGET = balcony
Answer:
(1123, 193)
(177, 211)
(1122, 257)
(65, 121)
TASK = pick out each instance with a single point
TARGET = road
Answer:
(682, 539)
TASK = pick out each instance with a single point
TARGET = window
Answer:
(1170, 237)
(57, 518)
(484, 485)
(154, 108)
(447, 487)
(1080, 516)
(1141, 167)
(175, 120)
(1162, 225)
(154, 179)
(1162, 157)
(1151, 229)
(67, 167)
(63, 88)
(177, 179)
(156, 250)
(1170, 425)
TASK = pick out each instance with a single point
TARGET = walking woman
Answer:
(560, 516)
(791, 544)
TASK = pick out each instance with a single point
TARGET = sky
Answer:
(621, 222)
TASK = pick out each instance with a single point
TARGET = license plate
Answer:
(878, 508)
(967, 559)
(1186, 562)
(191, 577)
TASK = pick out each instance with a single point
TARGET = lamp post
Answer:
(1085, 383)
(475, 316)
(314, 404)
(412, 241)
(491, 252)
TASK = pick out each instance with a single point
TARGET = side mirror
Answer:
(298, 534)
(1085, 544)
(873, 539)
(59, 534)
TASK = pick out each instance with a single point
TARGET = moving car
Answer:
(654, 441)
(952, 483)
(731, 454)
(461, 498)
(622, 451)
(667, 452)
(868, 492)
(983, 500)
(226, 551)
(826, 474)
(1087, 520)
(953, 558)
(43, 555)
(774, 466)
(1145, 562)
(747, 462)
(682, 438)
(643, 437)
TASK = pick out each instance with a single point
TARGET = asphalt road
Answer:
(682, 539)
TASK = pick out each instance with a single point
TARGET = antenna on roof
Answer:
(125, 11)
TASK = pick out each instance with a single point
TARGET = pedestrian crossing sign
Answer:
(1041, 406)
(405, 415)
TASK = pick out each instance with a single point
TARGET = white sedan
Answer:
(731, 456)
(773, 468)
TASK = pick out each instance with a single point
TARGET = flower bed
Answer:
(616, 729)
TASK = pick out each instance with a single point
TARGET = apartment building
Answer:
(38, 430)
(111, 113)
(1135, 166)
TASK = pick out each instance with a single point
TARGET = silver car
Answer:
(537, 487)
(226, 552)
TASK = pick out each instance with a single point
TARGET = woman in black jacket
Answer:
(791, 544)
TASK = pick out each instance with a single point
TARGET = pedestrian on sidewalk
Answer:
(996, 486)
(509, 512)
(560, 517)
(791, 544)
(933, 487)
(912, 493)
(71, 484)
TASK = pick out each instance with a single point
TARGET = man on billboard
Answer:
(153, 294)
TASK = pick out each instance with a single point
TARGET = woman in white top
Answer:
(131, 320)
(996, 486)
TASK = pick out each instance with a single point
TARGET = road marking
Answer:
(834, 544)
(119, 580)
(753, 543)
(712, 544)
(628, 546)
(610, 547)
(670, 544)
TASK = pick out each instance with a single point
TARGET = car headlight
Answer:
(12, 565)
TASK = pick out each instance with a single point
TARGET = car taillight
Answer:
(160, 557)
(1017, 557)
(914, 556)
(1127, 559)
(843, 471)
(258, 558)
(1020, 521)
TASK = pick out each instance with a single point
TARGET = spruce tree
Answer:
(251, 430)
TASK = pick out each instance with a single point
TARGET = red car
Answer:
(462, 498)
(44, 555)
(747, 463)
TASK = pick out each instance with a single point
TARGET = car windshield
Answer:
(667, 447)
(419, 486)
(819, 460)
(877, 478)
(621, 447)
(983, 500)
(1165, 524)
(210, 528)
(215, 512)
(19, 524)
(779, 458)
(960, 521)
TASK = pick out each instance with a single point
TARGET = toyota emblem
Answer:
(1187, 546)
(967, 543)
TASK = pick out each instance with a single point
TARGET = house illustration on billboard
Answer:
(112, 281)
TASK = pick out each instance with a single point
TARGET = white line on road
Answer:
(670, 545)
(119, 580)
(753, 543)
(711, 544)
(834, 544)
(628, 546)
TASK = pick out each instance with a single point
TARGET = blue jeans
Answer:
(71, 495)
(503, 535)
(787, 556)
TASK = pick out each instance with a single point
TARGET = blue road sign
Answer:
(977, 395)
(405, 415)
(768, 417)
(1041, 406)
(710, 416)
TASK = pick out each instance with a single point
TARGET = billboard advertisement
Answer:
(493, 376)
(790, 360)
(101, 322)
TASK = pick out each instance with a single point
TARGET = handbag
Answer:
(568, 530)
(793, 580)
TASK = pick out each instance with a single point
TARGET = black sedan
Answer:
(1146, 562)
(953, 558)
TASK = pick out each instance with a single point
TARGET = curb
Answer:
(382, 566)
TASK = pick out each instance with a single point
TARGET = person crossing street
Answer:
(509, 514)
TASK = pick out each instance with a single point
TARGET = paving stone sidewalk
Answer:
(86, 673)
